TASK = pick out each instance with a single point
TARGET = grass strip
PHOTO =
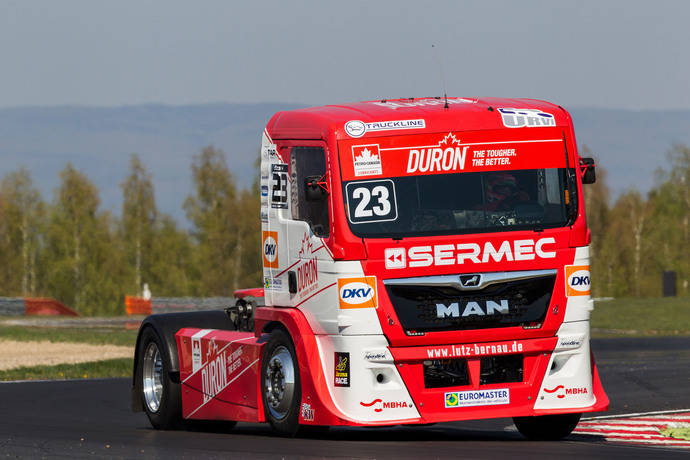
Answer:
(121, 367)
(97, 336)
(646, 317)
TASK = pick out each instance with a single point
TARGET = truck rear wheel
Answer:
(547, 427)
(160, 396)
(280, 384)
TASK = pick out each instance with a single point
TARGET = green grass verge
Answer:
(97, 336)
(649, 317)
(121, 367)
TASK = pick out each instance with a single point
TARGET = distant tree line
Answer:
(89, 259)
(636, 238)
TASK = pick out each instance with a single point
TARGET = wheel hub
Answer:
(152, 377)
(279, 383)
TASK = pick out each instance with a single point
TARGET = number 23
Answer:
(381, 207)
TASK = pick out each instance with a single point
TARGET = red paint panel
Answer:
(219, 371)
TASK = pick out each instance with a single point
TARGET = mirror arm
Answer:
(321, 182)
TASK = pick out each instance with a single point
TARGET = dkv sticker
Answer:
(577, 280)
(357, 292)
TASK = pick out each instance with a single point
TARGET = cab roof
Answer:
(461, 114)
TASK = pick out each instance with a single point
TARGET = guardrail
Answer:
(140, 306)
(29, 306)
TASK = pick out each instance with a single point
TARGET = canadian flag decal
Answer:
(366, 160)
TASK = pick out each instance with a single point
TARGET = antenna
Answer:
(443, 79)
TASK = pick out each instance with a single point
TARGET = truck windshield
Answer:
(469, 202)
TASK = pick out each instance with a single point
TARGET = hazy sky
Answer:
(625, 54)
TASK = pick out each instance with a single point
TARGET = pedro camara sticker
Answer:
(357, 128)
(341, 369)
(527, 118)
(491, 397)
(424, 102)
(462, 253)
(577, 280)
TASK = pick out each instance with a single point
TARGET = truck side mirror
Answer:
(315, 188)
(588, 171)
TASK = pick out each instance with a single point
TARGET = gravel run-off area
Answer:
(15, 354)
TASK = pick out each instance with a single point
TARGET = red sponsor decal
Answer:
(379, 404)
(451, 152)
(563, 391)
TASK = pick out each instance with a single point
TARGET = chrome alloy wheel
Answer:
(152, 374)
(279, 382)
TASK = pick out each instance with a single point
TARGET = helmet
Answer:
(499, 186)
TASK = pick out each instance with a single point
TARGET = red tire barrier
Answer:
(47, 306)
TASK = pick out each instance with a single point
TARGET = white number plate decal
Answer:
(371, 201)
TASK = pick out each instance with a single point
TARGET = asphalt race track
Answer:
(91, 418)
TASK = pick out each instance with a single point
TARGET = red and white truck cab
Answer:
(425, 260)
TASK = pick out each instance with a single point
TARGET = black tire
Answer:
(281, 406)
(162, 406)
(547, 427)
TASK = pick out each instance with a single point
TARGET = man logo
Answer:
(470, 280)
(577, 280)
(357, 292)
(270, 249)
(472, 309)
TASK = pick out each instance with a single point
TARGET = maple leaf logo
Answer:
(212, 349)
(366, 156)
(449, 141)
(306, 247)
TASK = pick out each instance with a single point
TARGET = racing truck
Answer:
(425, 260)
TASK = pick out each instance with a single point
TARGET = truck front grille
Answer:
(442, 373)
(427, 308)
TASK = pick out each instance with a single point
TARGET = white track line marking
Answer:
(638, 414)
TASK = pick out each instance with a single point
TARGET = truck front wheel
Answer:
(547, 427)
(159, 394)
(280, 389)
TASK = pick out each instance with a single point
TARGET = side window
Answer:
(306, 162)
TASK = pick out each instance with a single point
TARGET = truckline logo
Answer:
(357, 292)
(357, 128)
(452, 254)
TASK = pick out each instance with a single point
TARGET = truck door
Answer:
(299, 221)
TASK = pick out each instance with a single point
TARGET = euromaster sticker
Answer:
(492, 397)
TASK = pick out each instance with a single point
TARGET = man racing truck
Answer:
(424, 260)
